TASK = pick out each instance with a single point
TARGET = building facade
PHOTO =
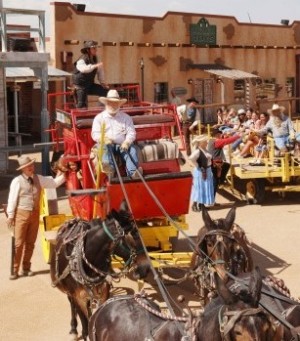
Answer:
(215, 58)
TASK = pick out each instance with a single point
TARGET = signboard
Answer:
(202, 33)
(180, 91)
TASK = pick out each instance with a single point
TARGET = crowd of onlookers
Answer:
(244, 134)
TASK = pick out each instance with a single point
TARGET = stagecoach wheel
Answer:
(255, 190)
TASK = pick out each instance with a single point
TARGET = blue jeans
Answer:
(129, 158)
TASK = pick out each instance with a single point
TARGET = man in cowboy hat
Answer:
(188, 114)
(23, 210)
(119, 134)
(85, 70)
(281, 127)
(220, 166)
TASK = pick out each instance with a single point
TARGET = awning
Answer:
(223, 71)
(26, 74)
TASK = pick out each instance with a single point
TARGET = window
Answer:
(290, 86)
(266, 89)
(239, 90)
(161, 93)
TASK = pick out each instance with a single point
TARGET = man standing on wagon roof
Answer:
(119, 134)
(85, 70)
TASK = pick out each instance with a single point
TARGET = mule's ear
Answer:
(255, 286)
(230, 218)
(208, 222)
(227, 296)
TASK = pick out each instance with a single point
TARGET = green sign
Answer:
(202, 33)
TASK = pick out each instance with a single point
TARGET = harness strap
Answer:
(226, 323)
(65, 273)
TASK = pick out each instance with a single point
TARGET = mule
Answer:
(228, 317)
(81, 262)
(223, 244)
(277, 301)
(232, 316)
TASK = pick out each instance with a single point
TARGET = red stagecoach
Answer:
(159, 200)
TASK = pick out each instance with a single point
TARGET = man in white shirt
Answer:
(23, 211)
(188, 114)
(119, 134)
(85, 70)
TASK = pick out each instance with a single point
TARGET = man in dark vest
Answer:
(85, 70)
(215, 147)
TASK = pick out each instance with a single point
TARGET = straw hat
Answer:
(89, 44)
(199, 138)
(24, 161)
(276, 108)
(112, 96)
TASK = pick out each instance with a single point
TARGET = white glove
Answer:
(124, 146)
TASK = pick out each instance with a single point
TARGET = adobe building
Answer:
(213, 57)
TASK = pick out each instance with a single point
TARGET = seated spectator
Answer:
(119, 135)
(281, 127)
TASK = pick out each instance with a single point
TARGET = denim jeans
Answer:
(129, 158)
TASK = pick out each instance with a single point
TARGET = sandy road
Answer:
(30, 309)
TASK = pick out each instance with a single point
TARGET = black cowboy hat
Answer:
(89, 44)
(192, 99)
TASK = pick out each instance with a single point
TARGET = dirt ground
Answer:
(31, 309)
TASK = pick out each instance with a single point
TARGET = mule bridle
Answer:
(78, 257)
(228, 318)
(208, 264)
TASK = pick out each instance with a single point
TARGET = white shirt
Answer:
(195, 155)
(87, 68)
(45, 182)
(118, 127)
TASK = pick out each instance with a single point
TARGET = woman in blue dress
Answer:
(202, 188)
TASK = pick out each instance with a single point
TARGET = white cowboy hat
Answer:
(112, 96)
(241, 111)
(199, 139)
(24, 161)
(276, 107)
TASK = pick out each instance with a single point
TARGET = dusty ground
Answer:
(30, 309)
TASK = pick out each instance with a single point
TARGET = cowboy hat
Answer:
(112, 96)
(276, 107)
(89, 44)
(192, 99)
(199, 139)
(24, 161)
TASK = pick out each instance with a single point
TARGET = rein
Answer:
(139, 299)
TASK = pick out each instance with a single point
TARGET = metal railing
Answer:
(5, 29)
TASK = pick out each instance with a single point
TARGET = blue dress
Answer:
(202, 189)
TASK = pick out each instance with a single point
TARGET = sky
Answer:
(255, 11)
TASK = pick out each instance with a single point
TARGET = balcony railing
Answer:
(5, 29)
